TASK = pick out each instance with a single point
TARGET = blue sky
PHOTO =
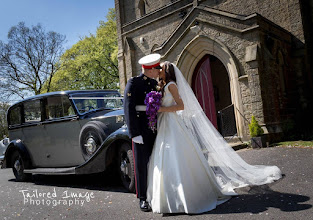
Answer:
(73, 18)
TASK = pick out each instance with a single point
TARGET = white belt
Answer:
(141, 108)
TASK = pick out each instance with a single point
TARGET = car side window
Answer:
(67, 107)
(54, 107)
(58, 106)
(32, 111)
(15, 116)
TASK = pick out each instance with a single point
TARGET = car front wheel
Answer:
(18, 166)
(126, 167)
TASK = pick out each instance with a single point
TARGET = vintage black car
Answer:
(69, 132)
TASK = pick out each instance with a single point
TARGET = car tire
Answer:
(91, 137)
(126, 167)
(18, 166)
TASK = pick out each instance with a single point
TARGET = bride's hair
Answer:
(169, 75)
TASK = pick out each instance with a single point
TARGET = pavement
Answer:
(101, 196)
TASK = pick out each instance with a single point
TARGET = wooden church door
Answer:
(203, 88)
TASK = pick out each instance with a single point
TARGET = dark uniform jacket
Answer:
(135, 94)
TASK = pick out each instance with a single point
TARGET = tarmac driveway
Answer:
(100, 196)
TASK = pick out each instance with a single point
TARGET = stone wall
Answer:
(275, 79)
(307, 19)
(266, 79)
(284, 13)
(133, 8)
(151, 37)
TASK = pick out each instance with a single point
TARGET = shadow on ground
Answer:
(105, 181)
(258, 199)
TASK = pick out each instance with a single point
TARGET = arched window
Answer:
(142, 7)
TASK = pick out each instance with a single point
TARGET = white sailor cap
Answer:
(151, 61)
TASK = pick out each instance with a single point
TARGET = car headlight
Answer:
(119, 118)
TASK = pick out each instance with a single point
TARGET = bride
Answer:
(192, 169)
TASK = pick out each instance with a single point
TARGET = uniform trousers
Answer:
(142, 153)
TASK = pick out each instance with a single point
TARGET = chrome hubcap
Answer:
(124, 167)
(91, 146)
(17, 165)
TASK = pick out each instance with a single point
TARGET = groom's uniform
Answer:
(137, 123)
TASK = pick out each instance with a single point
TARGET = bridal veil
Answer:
(229, 168)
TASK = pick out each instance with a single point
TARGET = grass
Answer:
(301, 144)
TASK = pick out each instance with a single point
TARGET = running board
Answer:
(51, 171)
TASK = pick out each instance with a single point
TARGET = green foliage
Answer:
(254, 128)
(92, 62)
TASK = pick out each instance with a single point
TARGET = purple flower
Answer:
(153, 103)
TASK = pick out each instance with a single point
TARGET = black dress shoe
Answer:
(144, 206)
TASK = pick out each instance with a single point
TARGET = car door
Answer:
(61, 129)
(32, 133)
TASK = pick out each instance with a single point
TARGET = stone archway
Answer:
(195, 51)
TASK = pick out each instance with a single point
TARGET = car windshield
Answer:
(86, 102)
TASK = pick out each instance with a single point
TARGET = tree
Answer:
(92, 62)
(3, 120)
(29, 60)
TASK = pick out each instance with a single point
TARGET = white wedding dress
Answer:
(192, 169)
(179, 177)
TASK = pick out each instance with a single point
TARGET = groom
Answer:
(137, 121)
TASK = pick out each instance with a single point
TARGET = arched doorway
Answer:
(192, 54)
(210, 83)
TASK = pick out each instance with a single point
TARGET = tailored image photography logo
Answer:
(54, 198)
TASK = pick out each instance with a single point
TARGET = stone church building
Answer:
(241, 58)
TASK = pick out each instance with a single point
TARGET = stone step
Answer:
(239, 145)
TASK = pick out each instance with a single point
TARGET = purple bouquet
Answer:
(153, 103)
